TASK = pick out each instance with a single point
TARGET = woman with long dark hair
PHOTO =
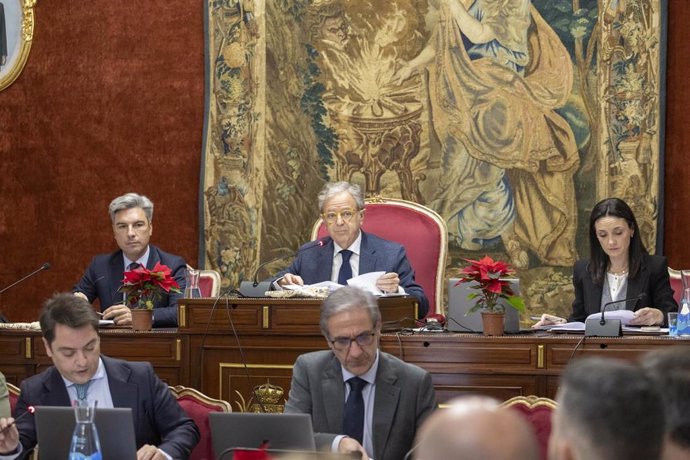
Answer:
(619, 267)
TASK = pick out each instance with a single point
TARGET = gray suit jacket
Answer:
(404, 397)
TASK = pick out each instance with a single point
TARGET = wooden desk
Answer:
(509, 366)
(239, 343)
(206, 354)
(22, 353)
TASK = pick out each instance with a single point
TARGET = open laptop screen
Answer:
(252, 430)
(54, 427)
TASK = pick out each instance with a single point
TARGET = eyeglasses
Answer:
(345, 214)
(363, 340)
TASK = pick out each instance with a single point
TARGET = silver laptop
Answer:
(54, 427)
(459, 304)
(230, 430)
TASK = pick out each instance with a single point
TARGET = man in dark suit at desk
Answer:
(70, 334)
(348, 251)
(360, 399)
(132, 216)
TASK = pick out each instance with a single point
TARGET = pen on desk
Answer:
(29, 410)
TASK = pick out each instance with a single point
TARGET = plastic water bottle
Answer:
(85, 444)
(684, 314)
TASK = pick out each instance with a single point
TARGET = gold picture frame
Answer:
(16, 36)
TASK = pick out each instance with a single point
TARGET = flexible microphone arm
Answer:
(262, 265)
(255, 288)
(313, 244)
(637, 300)
(608, 328)
(45, 266)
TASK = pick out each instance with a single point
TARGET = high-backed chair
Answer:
(538, 412)
(197, 406)
(209, 283)
(14, 396)
(419, 229)
(676, 283)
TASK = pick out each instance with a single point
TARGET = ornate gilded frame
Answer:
(19, 28)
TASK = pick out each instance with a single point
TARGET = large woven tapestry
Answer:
(511, 137)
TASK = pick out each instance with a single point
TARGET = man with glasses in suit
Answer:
(348, 251)
(360, 399)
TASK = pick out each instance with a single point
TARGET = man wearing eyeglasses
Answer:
(348, 251)
(131, 215)
(360, 399)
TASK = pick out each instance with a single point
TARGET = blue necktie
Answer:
(353, 419)
(134, 266)
(345, 272)
(82, 390)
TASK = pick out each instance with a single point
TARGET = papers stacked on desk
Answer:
(625, 316)
(366, 282)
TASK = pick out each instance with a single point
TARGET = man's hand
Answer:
(148, 452)
(289, 278)
(349, 445)
(9, 440)
(388, 282)
(648, 316)
(120, 314)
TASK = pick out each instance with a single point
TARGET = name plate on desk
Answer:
(272, 315)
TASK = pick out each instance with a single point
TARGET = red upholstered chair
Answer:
(419, 229)
(197, 406)
(14, 395)
(677, 283)
(209, 283)
(538, 412)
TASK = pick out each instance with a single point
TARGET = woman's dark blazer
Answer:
(652, 280)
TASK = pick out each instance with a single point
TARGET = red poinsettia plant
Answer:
(144, 286)
(487, 276)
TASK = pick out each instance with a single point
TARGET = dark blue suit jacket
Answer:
(104, 277)
(158, 418)
(314, 263)
(652, 280)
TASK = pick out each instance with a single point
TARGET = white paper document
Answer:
(366, 282)
(624, 315)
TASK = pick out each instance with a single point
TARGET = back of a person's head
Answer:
(610, 409)
(476, 428)
(670, 369)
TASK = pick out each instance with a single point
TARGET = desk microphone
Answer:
(609, 327)
(45, 266)
(258, 289)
